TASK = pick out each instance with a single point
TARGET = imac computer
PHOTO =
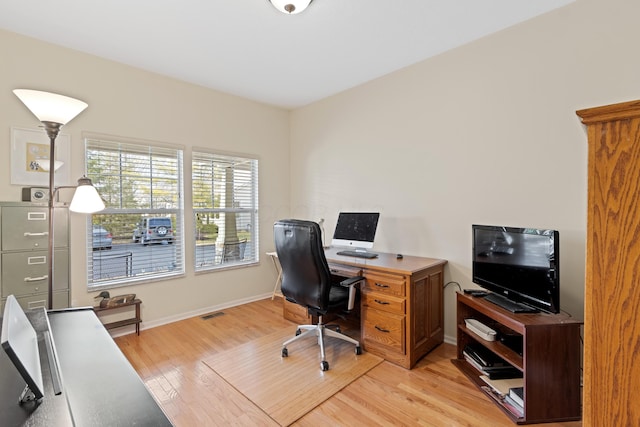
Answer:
(355, 231)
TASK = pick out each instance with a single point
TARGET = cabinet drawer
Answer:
(25, 273)
(383, 328)
(27, 228)
(60, 300)
(384, 302)
(387, 284)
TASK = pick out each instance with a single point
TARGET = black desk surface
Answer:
(53, 410)
(100, 387)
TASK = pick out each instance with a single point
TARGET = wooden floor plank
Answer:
(169, 359)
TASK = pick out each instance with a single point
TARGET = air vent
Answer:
(212, 315)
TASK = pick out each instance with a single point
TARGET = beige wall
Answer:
(128, 102)
(486, 133)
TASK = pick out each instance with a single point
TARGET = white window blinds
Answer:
(139, 236)
(225, 209)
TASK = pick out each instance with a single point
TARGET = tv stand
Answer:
(509, 305)
(550, 360)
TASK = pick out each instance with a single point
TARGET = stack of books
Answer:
(504, 382)
(505, 391)
(488, 363)
(514, 401)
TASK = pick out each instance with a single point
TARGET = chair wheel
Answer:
(324, 365)
(358, 350)
(285, 352)
(298, 332)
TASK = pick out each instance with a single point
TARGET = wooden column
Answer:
(612, 290)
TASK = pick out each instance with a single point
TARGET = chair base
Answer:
(320, 330)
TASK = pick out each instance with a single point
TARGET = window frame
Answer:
(248, 255)
(156, 151)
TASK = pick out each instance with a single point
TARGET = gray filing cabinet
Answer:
(24, 241)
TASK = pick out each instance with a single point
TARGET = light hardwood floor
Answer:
(169, 360)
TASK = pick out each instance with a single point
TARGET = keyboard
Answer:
(507, 304)
(358, 254)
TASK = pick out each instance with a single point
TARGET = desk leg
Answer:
(138, 319)
(276, 265)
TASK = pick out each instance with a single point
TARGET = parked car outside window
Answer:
(102, 239)
(154, 230)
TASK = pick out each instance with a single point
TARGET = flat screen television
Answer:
(520, 264)
(356, 230)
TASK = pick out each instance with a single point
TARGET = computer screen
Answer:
(20, 342)
(356, 229)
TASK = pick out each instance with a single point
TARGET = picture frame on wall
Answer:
(29, 149)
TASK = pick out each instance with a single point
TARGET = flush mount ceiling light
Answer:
(290, 7)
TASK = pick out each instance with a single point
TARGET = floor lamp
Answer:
(55, 111)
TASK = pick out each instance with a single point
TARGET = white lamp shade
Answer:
(45, 165)
(86, 198)
(50, 107)
(298, 5)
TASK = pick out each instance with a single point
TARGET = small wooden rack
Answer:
(120, 323)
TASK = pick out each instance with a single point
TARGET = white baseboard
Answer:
(206, 310)
(450, 340)
(199, 312)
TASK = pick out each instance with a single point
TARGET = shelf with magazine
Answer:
(539, 352)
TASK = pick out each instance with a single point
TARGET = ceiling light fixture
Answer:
(290, 7)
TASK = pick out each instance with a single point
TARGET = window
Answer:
(225, 210)
(139, 236)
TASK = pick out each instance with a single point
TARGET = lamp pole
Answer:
(53, 111)
(52, 130)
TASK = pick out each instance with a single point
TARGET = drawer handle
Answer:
(36, 279)
(382, 302)
(37, 304)
(36, 216)
(381, 285)
(28, 234)
(382, 329)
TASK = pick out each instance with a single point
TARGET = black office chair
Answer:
(307, 281)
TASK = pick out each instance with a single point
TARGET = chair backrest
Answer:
(306, 279)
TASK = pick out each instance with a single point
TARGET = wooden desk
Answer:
(401, 304)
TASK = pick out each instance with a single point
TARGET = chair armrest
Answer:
(351, 283)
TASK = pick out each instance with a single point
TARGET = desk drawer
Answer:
(296, 313)
(386, 284)
(383, 328)
(384, 302)
(344, 270)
